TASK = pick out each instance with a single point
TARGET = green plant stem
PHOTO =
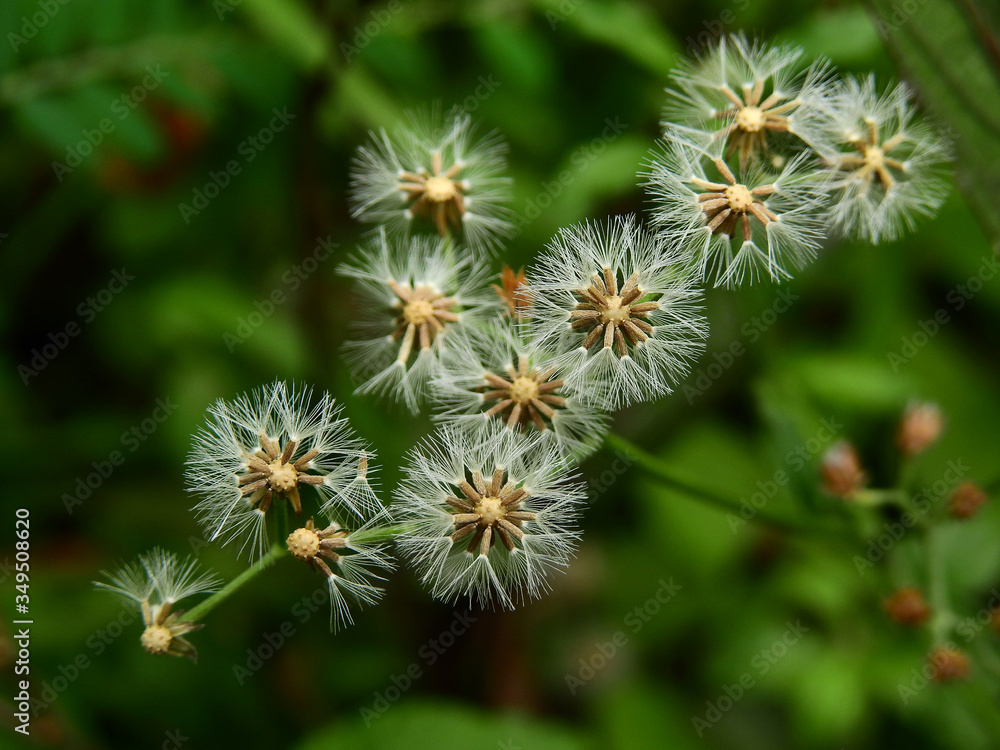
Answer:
(937, 587)
(671, 478)
(197, 613)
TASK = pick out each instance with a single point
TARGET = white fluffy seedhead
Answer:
(738, 226)
(413, 296)
(435, 174)
(489, 518)
(266, 447)
(886, 167)
(620, 308)
(497, 374)
(158, 578)
(755, 99)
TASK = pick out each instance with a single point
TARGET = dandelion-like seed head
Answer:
(351, 561)
(154, 584)
(497, 374)
(488, 516)
(414, 295)
(758, 222)
(435, 171)
(619, 309)
(885, 165)
(742, 95)
(266, 446)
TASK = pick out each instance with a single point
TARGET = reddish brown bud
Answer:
(907, 607)
(966, 499)
(996, 619)
(919, 428)
(512, 290)
(841, 470)
(948, 664)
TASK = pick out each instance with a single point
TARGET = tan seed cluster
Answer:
(488, 511)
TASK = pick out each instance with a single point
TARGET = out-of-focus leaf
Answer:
(951, 53)
(291, 28)
(443, 727)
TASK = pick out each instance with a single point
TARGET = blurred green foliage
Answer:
(181, 87)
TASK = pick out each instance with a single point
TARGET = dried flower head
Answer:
(153, 585)
(513, 292)
(919, 428)
(435, 171)
(742, 226)
(907, 606)
(948, 664)
(266, 446)
(413, 297)
(746, 95)
(886, 166)
(497, 375)
(612, 300)
(966, 500)
(841, 470)
(351, 561)
(490, 517)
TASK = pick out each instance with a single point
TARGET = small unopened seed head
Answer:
(303, 543)
(156, 639)
(841, 470)
(948, 664)
(966, 500)
(907, 606)
(919, 428)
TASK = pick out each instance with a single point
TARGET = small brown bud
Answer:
(965, 500)
(907, 607)
(919, 428)
(948, 664)
(841, 470)
(996, 619)
(513, 292)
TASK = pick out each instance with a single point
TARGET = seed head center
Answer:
(303, 543)
(615, 312)
(439, 189)
(283, 478)
(156, 639)
(523, 389)
(750, 119)
(740, 198)
(874, 157)
(490, 510)
(417, 311)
